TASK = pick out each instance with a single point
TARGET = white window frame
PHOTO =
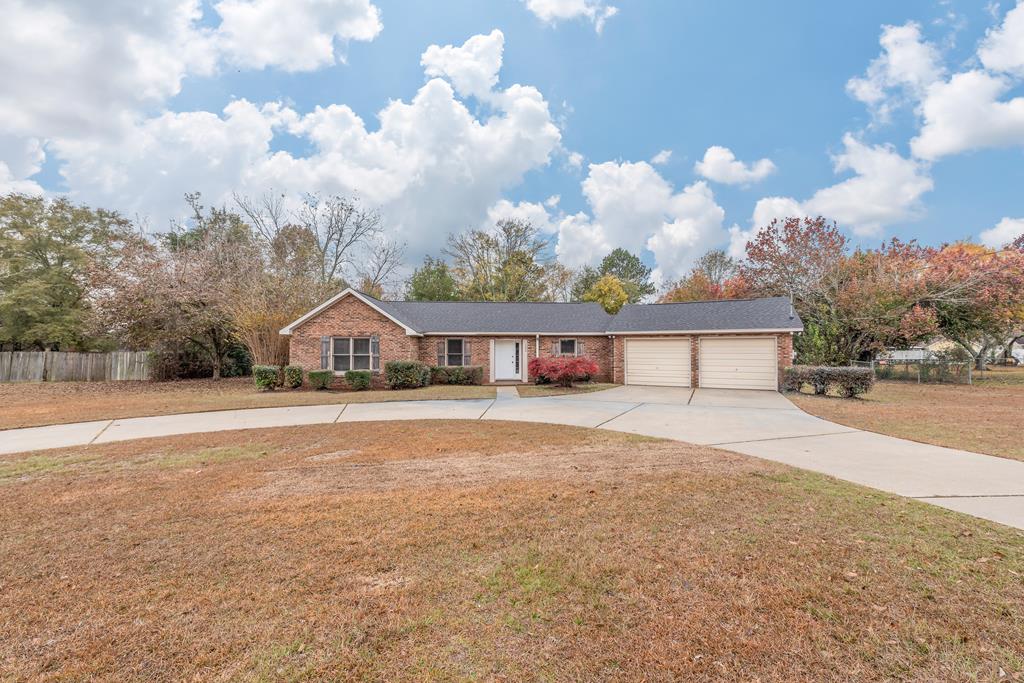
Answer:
(461, 354)
(352, 355)
(575, 347)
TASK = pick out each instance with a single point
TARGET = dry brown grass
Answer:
(43, 403)
(440, 551)
(540, 390)
(985, 418)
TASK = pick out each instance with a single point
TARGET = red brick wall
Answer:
(597, 348)
(349, 317)
(784, 347)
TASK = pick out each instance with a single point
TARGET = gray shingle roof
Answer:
(483, 317)
(480, 317)
(773, 313)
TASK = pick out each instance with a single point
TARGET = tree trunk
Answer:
(979, 360)
(216, 365)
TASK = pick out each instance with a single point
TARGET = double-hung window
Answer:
(355, 353)
(454, 352)
(567, 347)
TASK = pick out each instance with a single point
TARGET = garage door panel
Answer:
(658, 362)
(738, 363)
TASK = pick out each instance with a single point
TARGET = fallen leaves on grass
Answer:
(596, 556)
(983, 419)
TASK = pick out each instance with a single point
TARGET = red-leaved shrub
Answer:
(562, 371)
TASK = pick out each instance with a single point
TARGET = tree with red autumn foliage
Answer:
(856, 304)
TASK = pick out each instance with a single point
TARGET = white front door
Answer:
(506, 359)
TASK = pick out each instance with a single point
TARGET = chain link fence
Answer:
(922, 371)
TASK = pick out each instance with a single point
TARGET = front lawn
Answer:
(538, 390)
(987, 417)
(485, 551)
(43, 403)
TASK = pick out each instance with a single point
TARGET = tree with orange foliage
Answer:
(714, 276)
(977, 295)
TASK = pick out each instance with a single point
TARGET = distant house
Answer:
(924, 351)
(736, 344)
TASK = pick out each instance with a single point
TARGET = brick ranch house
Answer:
(736, 344)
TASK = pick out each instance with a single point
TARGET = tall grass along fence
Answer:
(63, 366)
(921, 371)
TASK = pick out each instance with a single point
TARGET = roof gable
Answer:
(368, 300)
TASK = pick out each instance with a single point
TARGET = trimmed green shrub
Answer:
(292, 376)
(266, 377)
(846, 382)
(358, 380)
(468, 374)
(406, 374)
(320, 379)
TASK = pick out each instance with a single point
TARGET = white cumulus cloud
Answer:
(1003, 48)
(73, 68)
(295, 35)
(967, 113)
(472, 68)
(1004, 232)
(662, 157)
(531, 212)
(907, 66)
(429, 164)
(552, 11)
(722, 166)
(886, 188)
(634, 207)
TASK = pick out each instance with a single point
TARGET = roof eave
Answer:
(749, 330)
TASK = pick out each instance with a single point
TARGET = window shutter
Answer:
(325, 353)
(555, 350)
(467, 352)
(580, 350)
(375, 353)
(440, 352)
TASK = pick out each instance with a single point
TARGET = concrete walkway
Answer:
(758, 423)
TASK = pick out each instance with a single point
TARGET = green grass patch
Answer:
(211, 456)
(35, 465)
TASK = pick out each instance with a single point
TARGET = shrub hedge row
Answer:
(358, 380)
(292, 376)
(320, 379)
(469, 374)
(266, 377)
(847, 382)
(406, 374)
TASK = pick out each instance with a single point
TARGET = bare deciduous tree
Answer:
(377, 272)
(340, 227)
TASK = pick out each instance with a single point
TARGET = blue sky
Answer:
(767, 81)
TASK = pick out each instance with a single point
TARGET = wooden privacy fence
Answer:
(64, 366)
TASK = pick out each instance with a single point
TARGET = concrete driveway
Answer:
(758, 423)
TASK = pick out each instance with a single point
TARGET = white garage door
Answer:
(658, 362)
(738, 363)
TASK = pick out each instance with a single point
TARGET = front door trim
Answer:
(506, 358)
